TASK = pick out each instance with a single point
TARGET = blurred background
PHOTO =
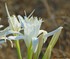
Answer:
(54, 13)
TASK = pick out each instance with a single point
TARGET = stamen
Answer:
(31, 13)
(25, 13)
(7, 10)
(11, 43)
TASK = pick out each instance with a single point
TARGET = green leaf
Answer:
(52, 43)
(55, 38)
(47, 55)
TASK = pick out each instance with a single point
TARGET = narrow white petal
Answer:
(1, 26)
(2, 32)
(35, 44)
(2, 41)
(15, 37)
(21, 20)
(16, 22)
(53, 32)
(44, 33)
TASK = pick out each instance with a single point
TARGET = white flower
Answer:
(13, 22)
(14, 25)
(31, 27)
(4, 33)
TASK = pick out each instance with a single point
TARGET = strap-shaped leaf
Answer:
(48, 54)
(52, 44)
(55, 37)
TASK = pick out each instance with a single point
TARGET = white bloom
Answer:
(32, 30)
(31, 27)
(4, 33)
(13, 22)
(14, 25)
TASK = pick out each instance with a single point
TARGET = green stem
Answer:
(18, 49)
(29, 52)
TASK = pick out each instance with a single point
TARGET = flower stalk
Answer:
(18, 49)
(29, 52)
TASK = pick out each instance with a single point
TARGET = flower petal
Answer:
(21, 20)
(2, 41)
(43, 33)
(15, 37)
(13, 22)
(53, 32)
(2, 32)
(1, 26)
(35, 44)
(16, 24)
